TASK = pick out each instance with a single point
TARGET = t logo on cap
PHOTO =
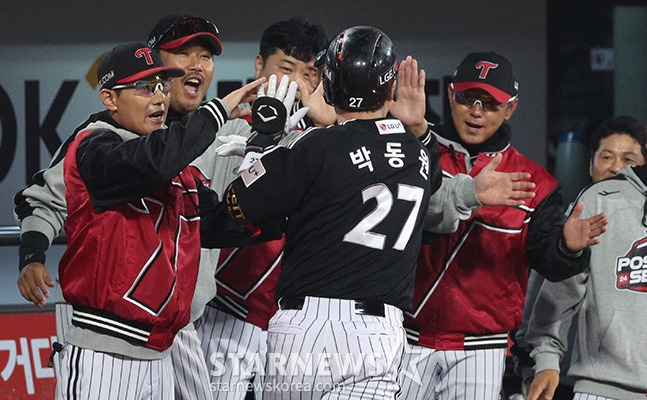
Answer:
(146, 53)
(490, 72)
(130, 62)
(485, 66)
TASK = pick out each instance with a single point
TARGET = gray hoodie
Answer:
(610, 298)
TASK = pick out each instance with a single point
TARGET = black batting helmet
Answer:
(360, 67)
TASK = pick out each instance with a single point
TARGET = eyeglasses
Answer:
(186, 27)
(148, 88)
(470, 98)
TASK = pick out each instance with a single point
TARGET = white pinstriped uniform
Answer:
(126, 378)
(188, 365)
(63, 314)
(586, 396)
(332, 328)
(235, 351)
(453, 374)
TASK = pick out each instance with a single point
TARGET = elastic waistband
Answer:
(454, 340)
(339, 308)
(105, 322)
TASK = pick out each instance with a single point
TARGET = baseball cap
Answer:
(487, 71)
(129, 62)
(175, 30)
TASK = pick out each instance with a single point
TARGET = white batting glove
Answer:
(286, 94)
(233, 145)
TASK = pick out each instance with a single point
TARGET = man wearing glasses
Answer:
(133, 230)
(189, 43)
(470, 285)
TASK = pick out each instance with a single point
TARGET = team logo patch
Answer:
(631, 269)
(389, 126)
(253, 173)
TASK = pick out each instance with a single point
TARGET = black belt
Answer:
(372, 308)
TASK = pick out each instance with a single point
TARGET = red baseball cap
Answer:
(487, 71)
(174, 31)
(130, 62)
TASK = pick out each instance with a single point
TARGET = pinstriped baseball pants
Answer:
(326, 350)
(586, 396)
(235, 352)
(88, 375)
(452, 374)
(189, 365)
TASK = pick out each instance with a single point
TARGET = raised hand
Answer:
(581, 233)
(271, 114)
(494, 188)
(321, 113)
(411, 100)
(245, 94)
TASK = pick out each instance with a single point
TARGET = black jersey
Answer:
(354, 196)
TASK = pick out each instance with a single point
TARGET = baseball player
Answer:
(354, 196)
(470, 284)
(131, 264)
(184, 41)
(233, 328)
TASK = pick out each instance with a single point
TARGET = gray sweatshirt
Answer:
(609, 299)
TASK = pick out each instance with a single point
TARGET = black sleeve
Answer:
(544, 247)
(118, 171)
(33, 245)
(218, 230)
(520, 356)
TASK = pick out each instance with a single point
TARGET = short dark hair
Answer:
(626, 125)
(296, 37)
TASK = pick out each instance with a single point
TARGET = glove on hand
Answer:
(233, 145)
(270, 114)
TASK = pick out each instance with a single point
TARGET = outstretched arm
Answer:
(495, 188)
(458, 196)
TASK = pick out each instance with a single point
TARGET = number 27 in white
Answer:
(361, 233)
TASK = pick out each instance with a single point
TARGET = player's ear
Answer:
(510, 108)
(450, 92)
(108, 98)
(392, 93)
(258, 66)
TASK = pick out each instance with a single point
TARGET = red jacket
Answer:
(133, 228)
(246, 279)
(473, 282)
(134, 264)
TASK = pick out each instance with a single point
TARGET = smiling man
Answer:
(188, 42)
(470, 285)
(133, 229)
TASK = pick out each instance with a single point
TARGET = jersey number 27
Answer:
(361, 233)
